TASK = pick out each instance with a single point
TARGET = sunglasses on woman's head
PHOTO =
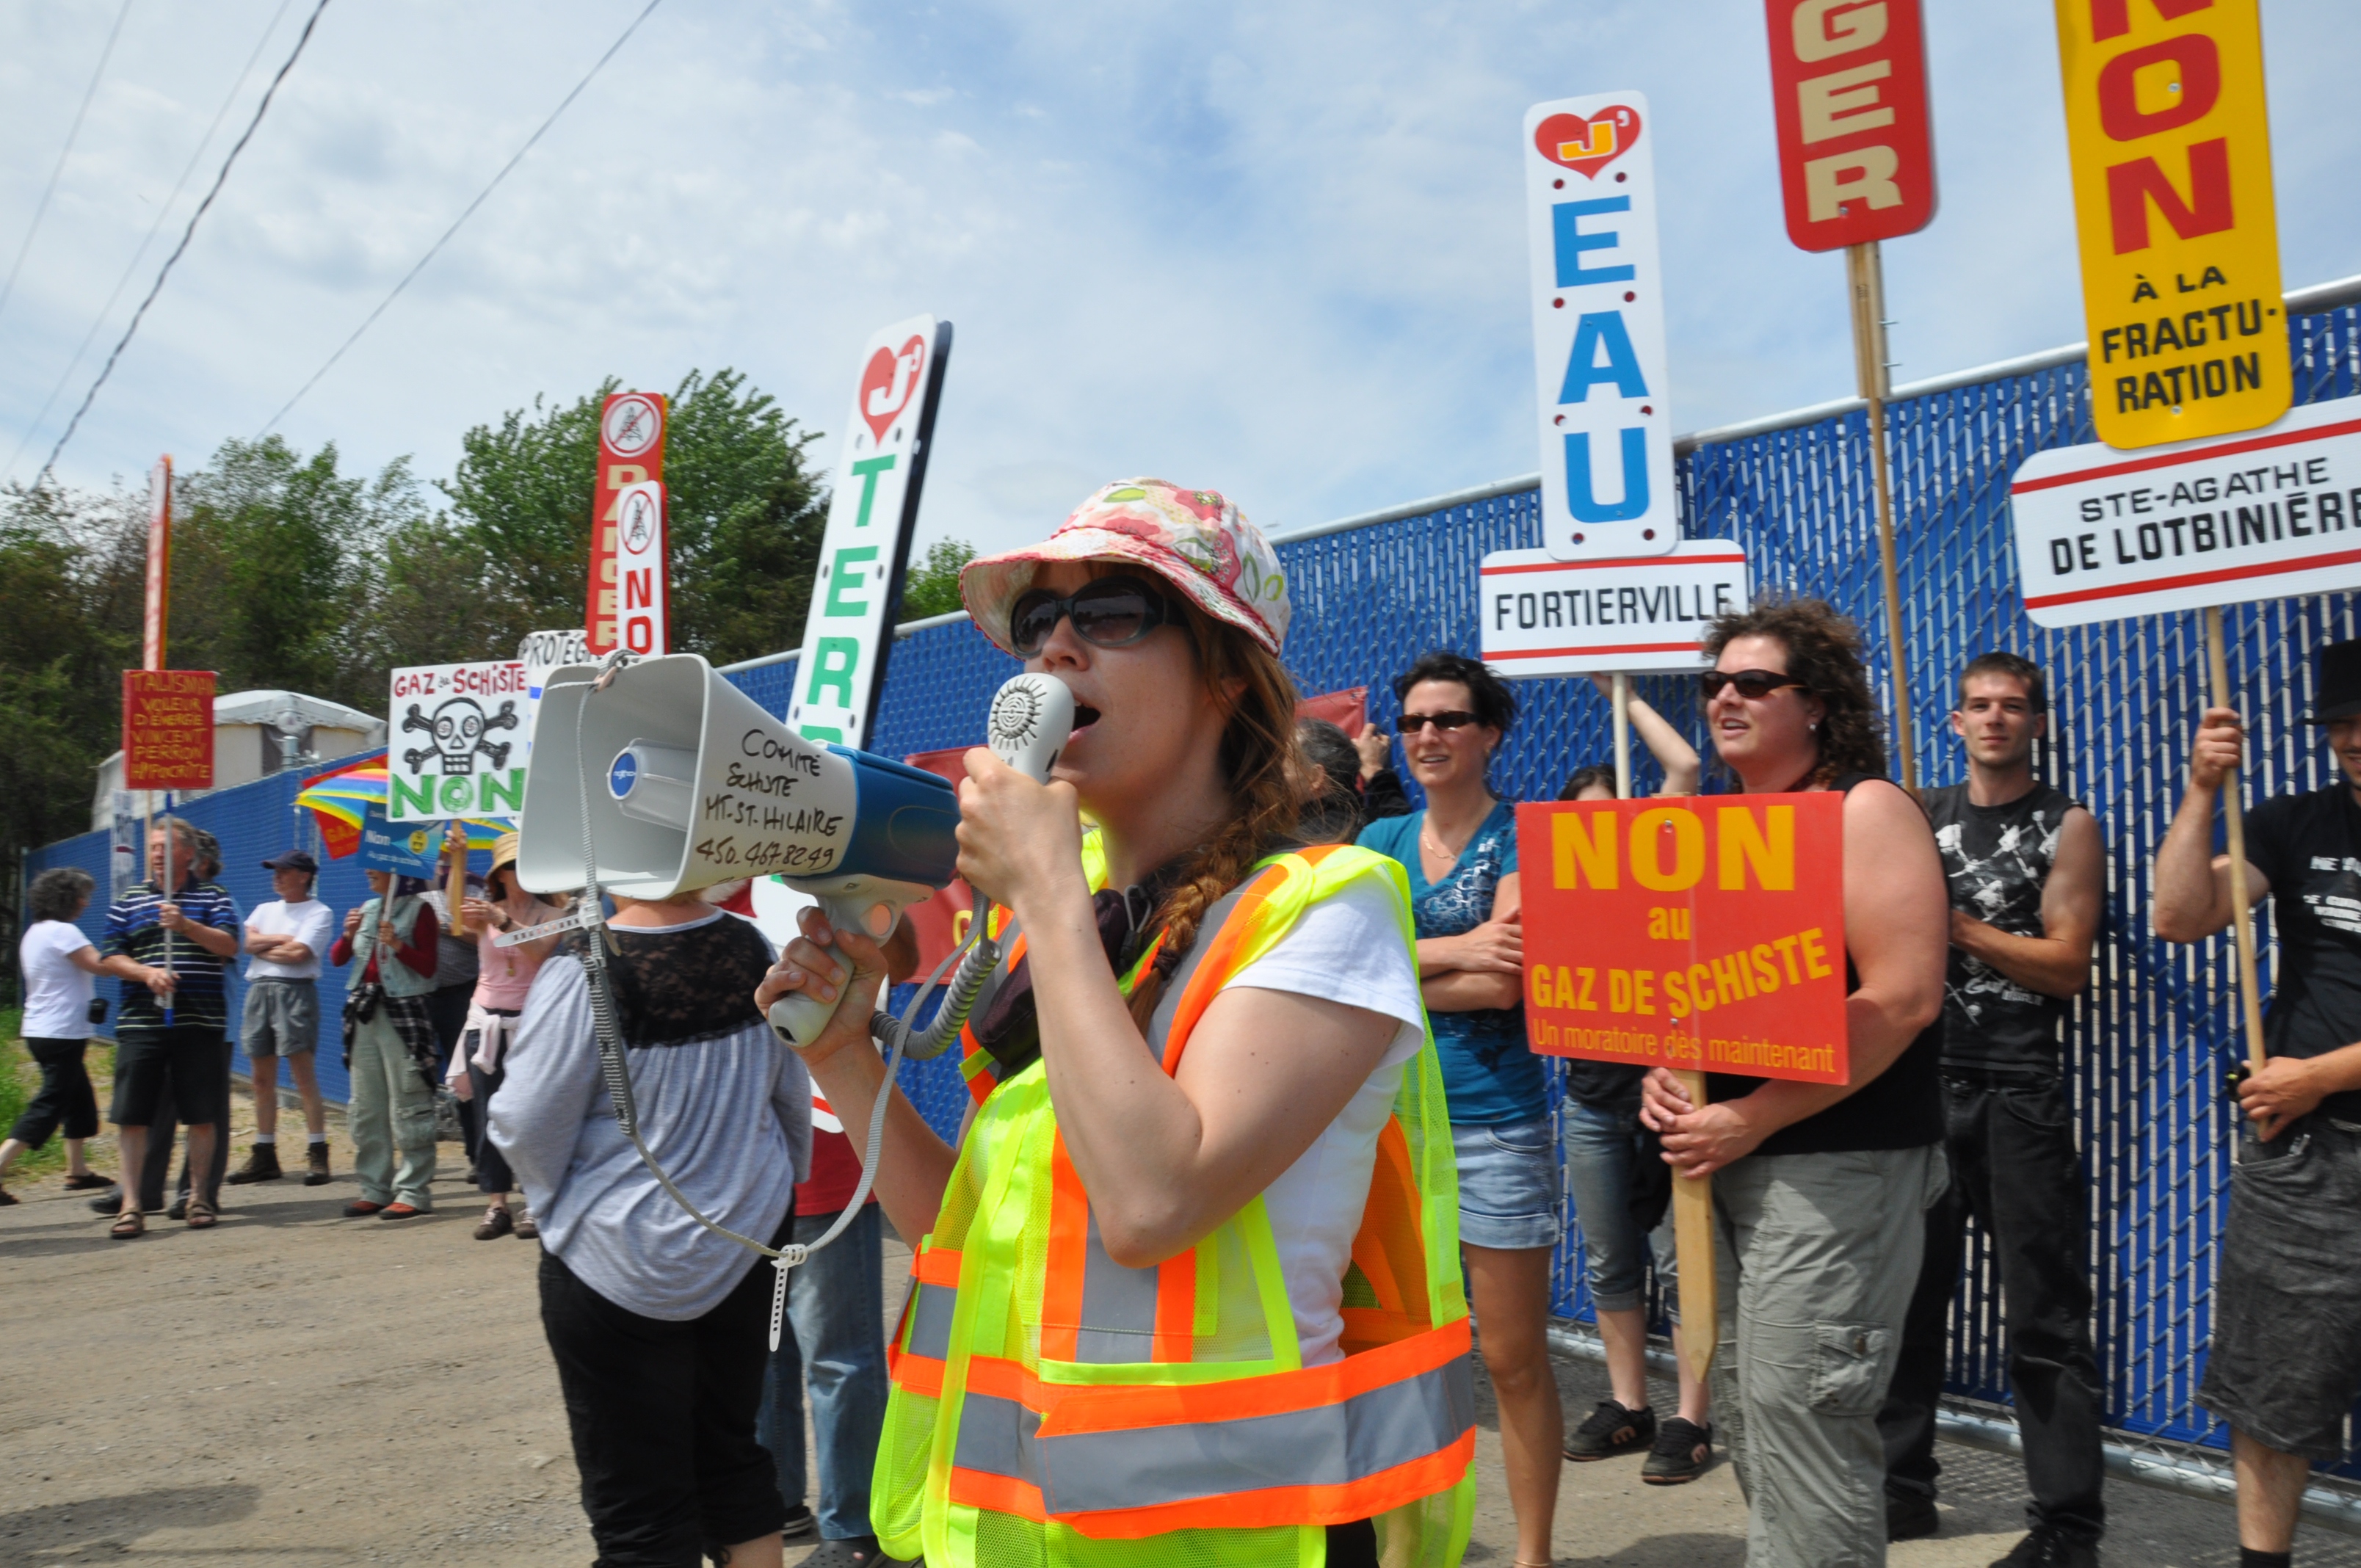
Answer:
(1753, 684)
(1107, 612)
(1411, 723)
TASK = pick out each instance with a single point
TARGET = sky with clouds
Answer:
(1274, 248)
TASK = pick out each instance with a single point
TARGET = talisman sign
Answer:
(1702, 933)
(453, 746)
(168, 729)
(1546, 617)
(1849, 91)
(2275, 514)
(631, 452)
(847, 631)
(1599, 329)
(2170, 147)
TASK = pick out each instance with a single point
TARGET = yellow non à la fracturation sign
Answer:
(2170, 148)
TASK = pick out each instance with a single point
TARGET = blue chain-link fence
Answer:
(2148, 1040)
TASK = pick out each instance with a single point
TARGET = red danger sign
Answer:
(1849, 91)
(1703, 933)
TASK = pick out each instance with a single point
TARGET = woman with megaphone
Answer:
(1188, 1289)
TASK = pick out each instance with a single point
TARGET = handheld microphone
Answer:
(1031, 717)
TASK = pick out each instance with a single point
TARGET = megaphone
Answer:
(666, 779)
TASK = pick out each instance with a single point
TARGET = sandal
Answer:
(201, 1214)
(126, 1226)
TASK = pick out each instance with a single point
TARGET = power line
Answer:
(469, 211)
(163, 211)
(186, 234)
(41, 211)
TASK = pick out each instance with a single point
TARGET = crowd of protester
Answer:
(1971, 915)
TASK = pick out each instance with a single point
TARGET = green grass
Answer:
(20, 1080)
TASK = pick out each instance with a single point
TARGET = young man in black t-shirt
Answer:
(2285, 1365)
(2028, 875)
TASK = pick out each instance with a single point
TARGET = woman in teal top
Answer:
(1461, 854)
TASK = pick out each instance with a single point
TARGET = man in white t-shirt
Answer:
(284, 941)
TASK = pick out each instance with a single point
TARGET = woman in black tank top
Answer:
(1820, 1197)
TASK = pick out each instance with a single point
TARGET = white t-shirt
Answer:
(57, 994)
(1346, 949)
(311, 923)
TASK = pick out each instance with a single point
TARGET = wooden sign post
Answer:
(1856, 169)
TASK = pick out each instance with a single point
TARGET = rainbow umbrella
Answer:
(341, 800)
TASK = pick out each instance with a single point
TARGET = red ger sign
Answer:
(1856, 151)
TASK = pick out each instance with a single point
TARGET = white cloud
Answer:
(1279, 250)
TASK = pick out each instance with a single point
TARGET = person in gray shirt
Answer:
(659, 1327)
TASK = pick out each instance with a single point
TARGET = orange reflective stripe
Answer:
(937, 1265)
(1067, 1408)
(1342, 1503)
(1001, 1494)
(918, 1374)
(1068, 1257)
(1176, 1308)
(1388, 1249)
(1216, 968)
(975, 1065)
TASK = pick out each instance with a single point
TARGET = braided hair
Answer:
(1263, 766)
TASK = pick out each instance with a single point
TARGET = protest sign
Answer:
(2169, 143)
(642, 569)
(2102, 534)
(1599, 329)
(848, 631)
(168, 729)
(1547, 617)
(469, 762)
(543, 653)
(631, 452)
(1849, 94)
(409, 849)
(1700, 933)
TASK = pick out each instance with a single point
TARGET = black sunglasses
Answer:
(1107, 612)
(1411, 723)
(1755, 684)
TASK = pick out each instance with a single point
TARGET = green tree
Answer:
(931, 587)
(744, 513)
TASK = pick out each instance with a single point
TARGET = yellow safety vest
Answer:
(1051, 1406)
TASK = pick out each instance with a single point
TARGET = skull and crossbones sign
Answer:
(458, 727)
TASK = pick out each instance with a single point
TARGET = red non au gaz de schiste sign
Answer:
(1700, 933)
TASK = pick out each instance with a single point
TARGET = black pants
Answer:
(663, 1417)
(65, 1099)
(157, 1167)
(2014, 1168)
(492, 1172)
(446, 1009)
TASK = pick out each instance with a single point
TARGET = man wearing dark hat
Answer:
(284, 941)
(2286, 1360)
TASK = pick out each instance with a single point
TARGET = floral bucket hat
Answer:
(1196, 540)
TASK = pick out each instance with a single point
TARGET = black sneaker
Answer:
(2049, 1547)
(801, 1525)
(1611, 1429)
(180, 1208)
(1683, 1450)
(261, 1165)
(1909, 1517)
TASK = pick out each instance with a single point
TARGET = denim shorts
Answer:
(2285, 1361)
(1507, 1183)
(1603, 1176)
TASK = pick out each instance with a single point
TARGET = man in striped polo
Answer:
(173, 947)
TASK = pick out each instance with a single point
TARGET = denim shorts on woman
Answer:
(1507, 1183)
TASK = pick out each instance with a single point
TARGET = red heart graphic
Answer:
(887, 383)
(1588, 145)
